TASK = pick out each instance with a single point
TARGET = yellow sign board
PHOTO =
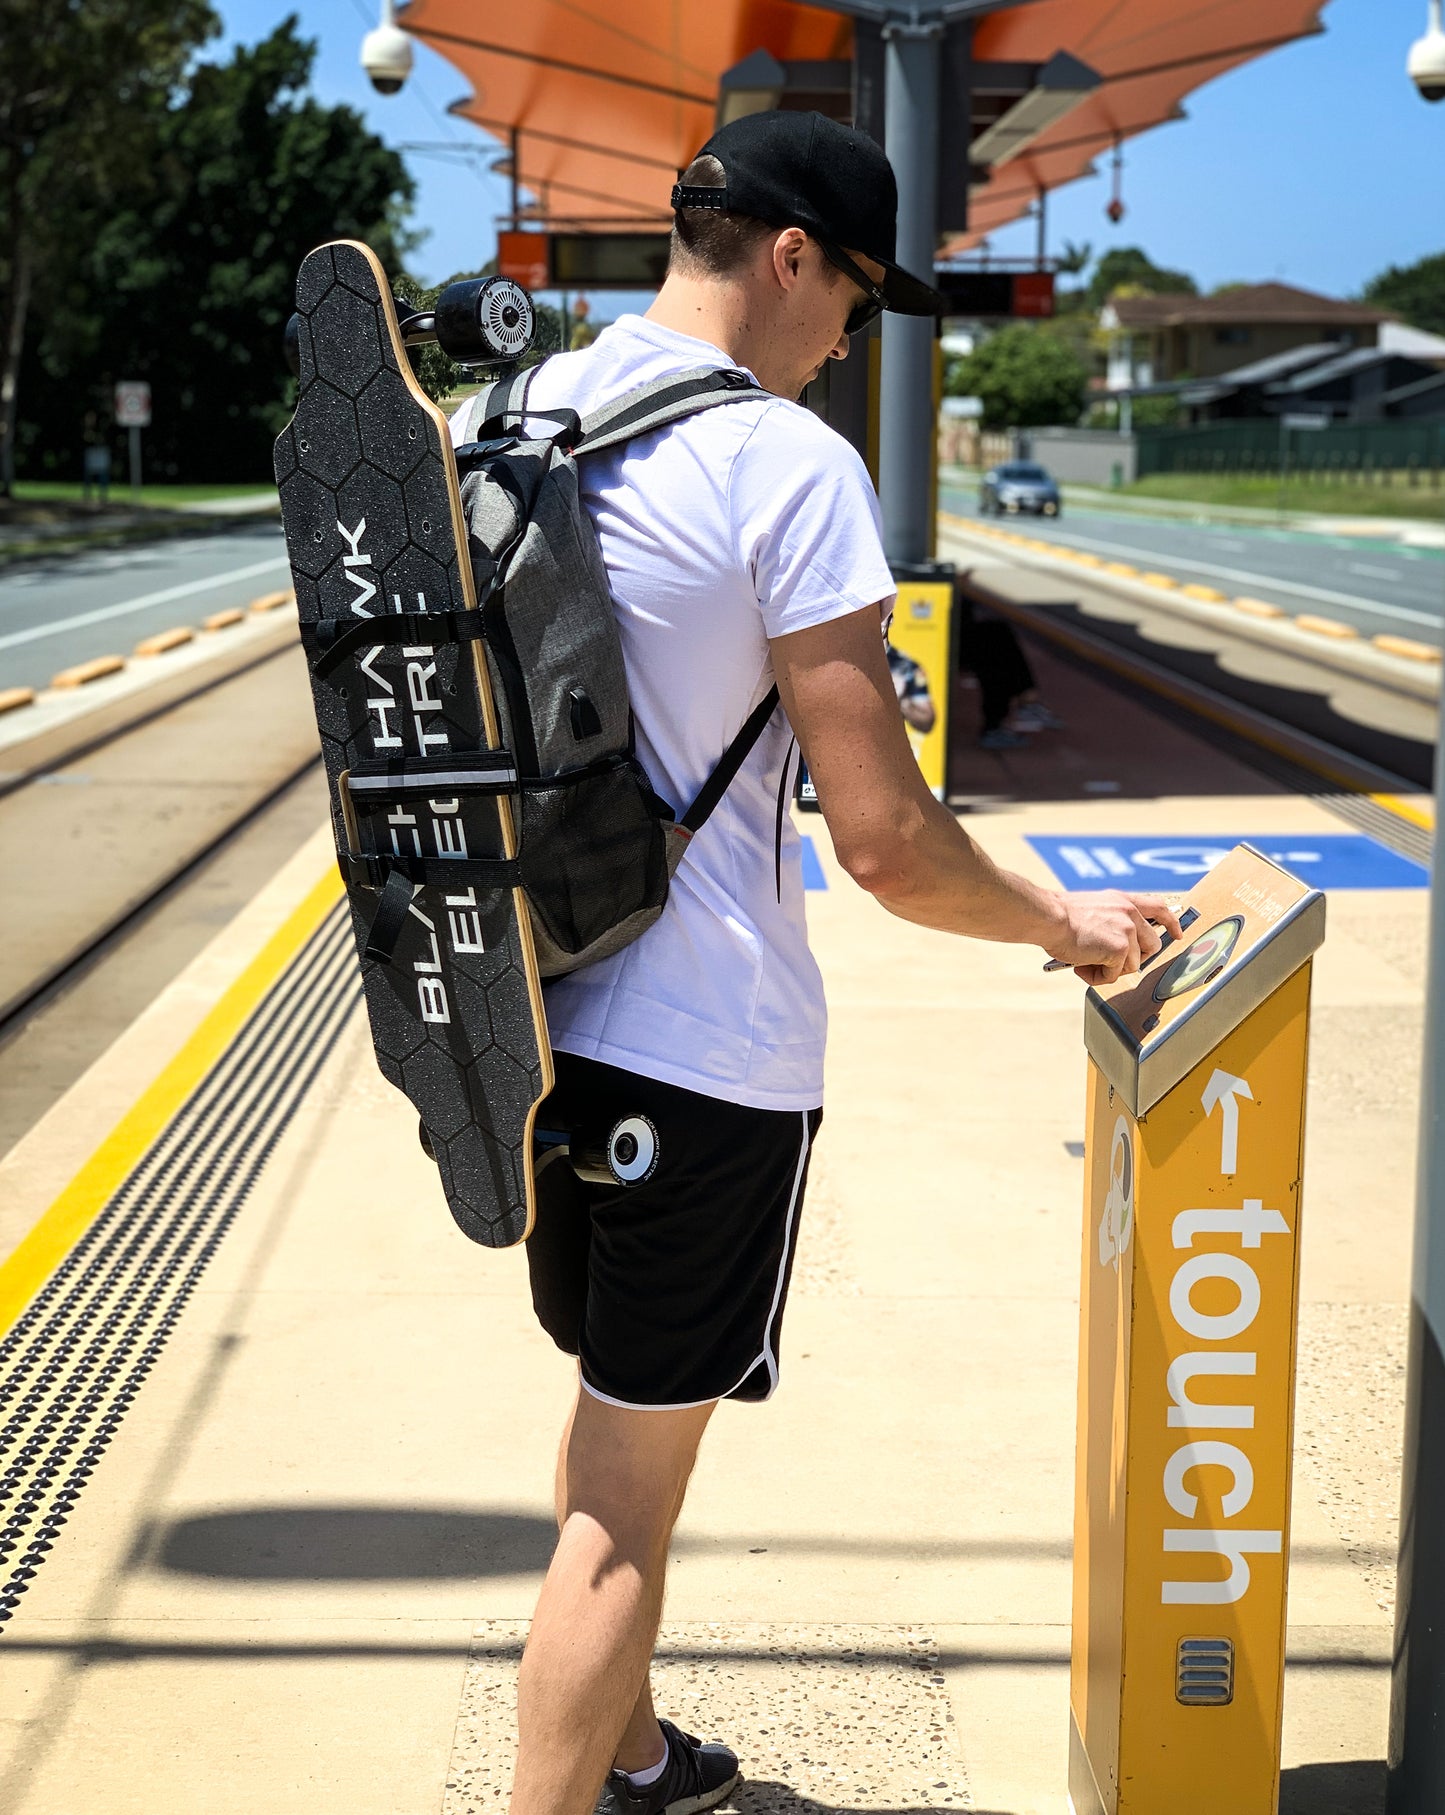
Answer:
(921, 629)
(1186, 1377)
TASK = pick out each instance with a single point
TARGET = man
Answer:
(915, 702)
(742, 546)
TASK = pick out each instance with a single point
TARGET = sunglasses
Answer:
(864, 314)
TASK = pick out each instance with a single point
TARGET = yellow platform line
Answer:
(60, 1227)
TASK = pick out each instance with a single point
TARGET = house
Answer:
(1358, 384)
(1162, 339)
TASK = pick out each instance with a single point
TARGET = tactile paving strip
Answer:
(76, 1359)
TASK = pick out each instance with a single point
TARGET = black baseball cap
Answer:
(792, 169)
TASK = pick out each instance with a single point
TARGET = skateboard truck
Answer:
(478, 321)
(624, 1154)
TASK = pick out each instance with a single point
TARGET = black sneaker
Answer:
(695, 1777)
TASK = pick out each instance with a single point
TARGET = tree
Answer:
(80, 84)
(1415, 292)
(1130, 265)
(189, 283)
(1025, 378)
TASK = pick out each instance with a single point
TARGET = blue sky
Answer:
(1317, 164)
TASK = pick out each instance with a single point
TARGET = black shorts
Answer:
(670, 1292)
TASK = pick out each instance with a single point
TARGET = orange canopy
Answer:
(1150, 56)
(612, 97)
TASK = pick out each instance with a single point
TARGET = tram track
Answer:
(1253, 721)
(96, 836)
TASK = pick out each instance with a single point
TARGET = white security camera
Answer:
(386, 53)
(1427, 58)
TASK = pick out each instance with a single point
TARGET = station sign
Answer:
(524, 258)
(1002, 294)
(1333, 860)
(132, 403)
(921, 630)
(584, 261)
(609, 261)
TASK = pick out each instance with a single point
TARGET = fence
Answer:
(1383, 453)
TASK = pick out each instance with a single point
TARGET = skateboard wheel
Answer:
(628, 1156)
(482, 320)
(632, 1150)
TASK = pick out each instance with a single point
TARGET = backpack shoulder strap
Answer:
(506, 396)
(664, 401)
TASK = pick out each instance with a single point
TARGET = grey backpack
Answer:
(597, 846)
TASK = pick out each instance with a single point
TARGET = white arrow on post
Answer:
(1223, 1092)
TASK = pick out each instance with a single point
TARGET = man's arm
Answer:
(895, 840)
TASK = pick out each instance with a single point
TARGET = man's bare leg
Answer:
(641, 1744)
(583, 1688)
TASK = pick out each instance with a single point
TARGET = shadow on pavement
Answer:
(408, 1543)
(759, 1796)
(353, 1544)
(1353, 1788)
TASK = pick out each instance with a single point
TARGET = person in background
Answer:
(583, 333)
(1008, 693)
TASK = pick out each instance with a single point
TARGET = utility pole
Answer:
(912, 51)
(1417, 1695)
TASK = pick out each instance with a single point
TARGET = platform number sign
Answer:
(132, 404)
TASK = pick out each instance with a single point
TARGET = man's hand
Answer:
(1109, 935)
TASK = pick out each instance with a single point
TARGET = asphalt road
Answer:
(1378, 587)
(54, 613)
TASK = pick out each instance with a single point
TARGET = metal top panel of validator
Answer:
(1256, 926)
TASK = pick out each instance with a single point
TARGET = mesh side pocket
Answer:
(594, 850)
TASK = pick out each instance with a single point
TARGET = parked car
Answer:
(1019, 485)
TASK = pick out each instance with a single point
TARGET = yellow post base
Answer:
(921, 629)
(1186, 1406)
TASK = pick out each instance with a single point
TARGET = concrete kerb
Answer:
(40, 728)
(1255, 620)
(161, 642)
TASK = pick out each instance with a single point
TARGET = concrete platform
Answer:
(298, 1575)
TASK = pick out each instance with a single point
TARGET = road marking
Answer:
(1434, 619)
(105, 612)
(1376, 573)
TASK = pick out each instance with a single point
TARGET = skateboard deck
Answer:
(374, 528)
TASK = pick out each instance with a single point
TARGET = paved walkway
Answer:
(299, 1576)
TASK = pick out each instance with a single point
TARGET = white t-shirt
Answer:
(744, 522)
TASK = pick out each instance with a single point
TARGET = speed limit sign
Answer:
(133, 403)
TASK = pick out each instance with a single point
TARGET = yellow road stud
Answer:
(1126, 568)
(1408, 647)
(1325, 627)
(1158, 579)
(1187, 1347)
(1210, 595)
(164, 640)
(83, 673)
(1259, 608)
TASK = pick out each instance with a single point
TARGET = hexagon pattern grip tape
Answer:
(374, 527)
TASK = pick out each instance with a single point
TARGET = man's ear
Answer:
(789, 249)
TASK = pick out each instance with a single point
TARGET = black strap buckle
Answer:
(329, 641)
